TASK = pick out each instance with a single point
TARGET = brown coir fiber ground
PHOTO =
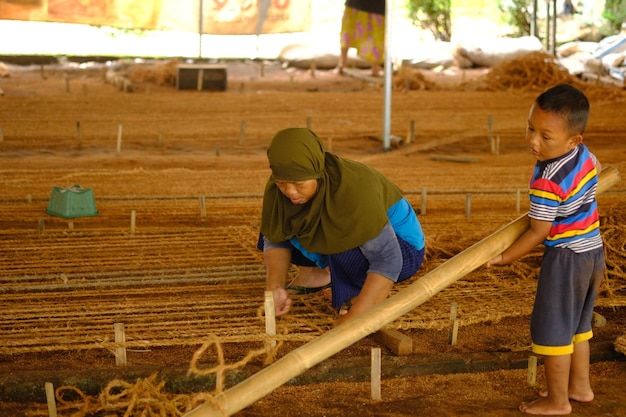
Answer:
(180, 277)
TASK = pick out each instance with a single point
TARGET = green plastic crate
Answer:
(72, 202)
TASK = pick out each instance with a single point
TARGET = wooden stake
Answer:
(399, 343)
(468, 205)
(133, 217)
(119, 138)
(454, 158)
(312, 68)
(490, 128)
(423, 208)
(412, 132)
(120, 337)
(598, 320)
(50, 399)
(455, 332)
(517, 200)
(202, 206)
(270, 319)
(200, 79)
(242, 131)
(217, 149)
(330, 144)
(41, 226)
(454, 324)
(375, 374)
(309, 122)
(532, 371)
(296, 362)
(78, 134)
(67, 83)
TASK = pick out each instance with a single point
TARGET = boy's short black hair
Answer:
(567, 102)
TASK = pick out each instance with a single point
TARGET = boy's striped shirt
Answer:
(563, 192)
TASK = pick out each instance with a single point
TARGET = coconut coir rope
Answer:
(145, 398)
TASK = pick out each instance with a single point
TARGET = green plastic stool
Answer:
(72, 202)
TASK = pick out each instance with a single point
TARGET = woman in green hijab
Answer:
(339, 221)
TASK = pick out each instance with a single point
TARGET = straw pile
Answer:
(537, 71)
(411, 79)
(161, 73)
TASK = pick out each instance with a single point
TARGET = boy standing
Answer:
(564, 217)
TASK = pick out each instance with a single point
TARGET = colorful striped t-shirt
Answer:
(563, 191)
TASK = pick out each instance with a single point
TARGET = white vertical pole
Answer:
(388, 70)
(553, 34)
(200, 28)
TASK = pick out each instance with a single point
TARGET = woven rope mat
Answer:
(173, 305)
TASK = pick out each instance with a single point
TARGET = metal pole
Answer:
(553, 44)
(388, 70)
(200, 29)
(533, 20)
(547, 25)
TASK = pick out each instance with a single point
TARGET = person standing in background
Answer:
(363, 28)
(568, 8)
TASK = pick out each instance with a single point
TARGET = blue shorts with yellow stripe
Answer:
(566, 291)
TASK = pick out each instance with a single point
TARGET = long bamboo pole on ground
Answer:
(299, 360)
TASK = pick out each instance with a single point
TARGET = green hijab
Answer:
(349, 208)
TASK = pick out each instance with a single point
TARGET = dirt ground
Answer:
(60, 127)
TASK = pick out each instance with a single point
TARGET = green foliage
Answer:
(615, 13)
(517, 13)
(433, 15)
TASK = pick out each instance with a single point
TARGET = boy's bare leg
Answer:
(579, 385)
(557, 369)
(311, 277)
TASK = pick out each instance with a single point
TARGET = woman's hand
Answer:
(375, 290)
(282, 302)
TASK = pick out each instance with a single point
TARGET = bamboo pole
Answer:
(305, 357)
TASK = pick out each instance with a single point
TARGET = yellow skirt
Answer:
(365, 32)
